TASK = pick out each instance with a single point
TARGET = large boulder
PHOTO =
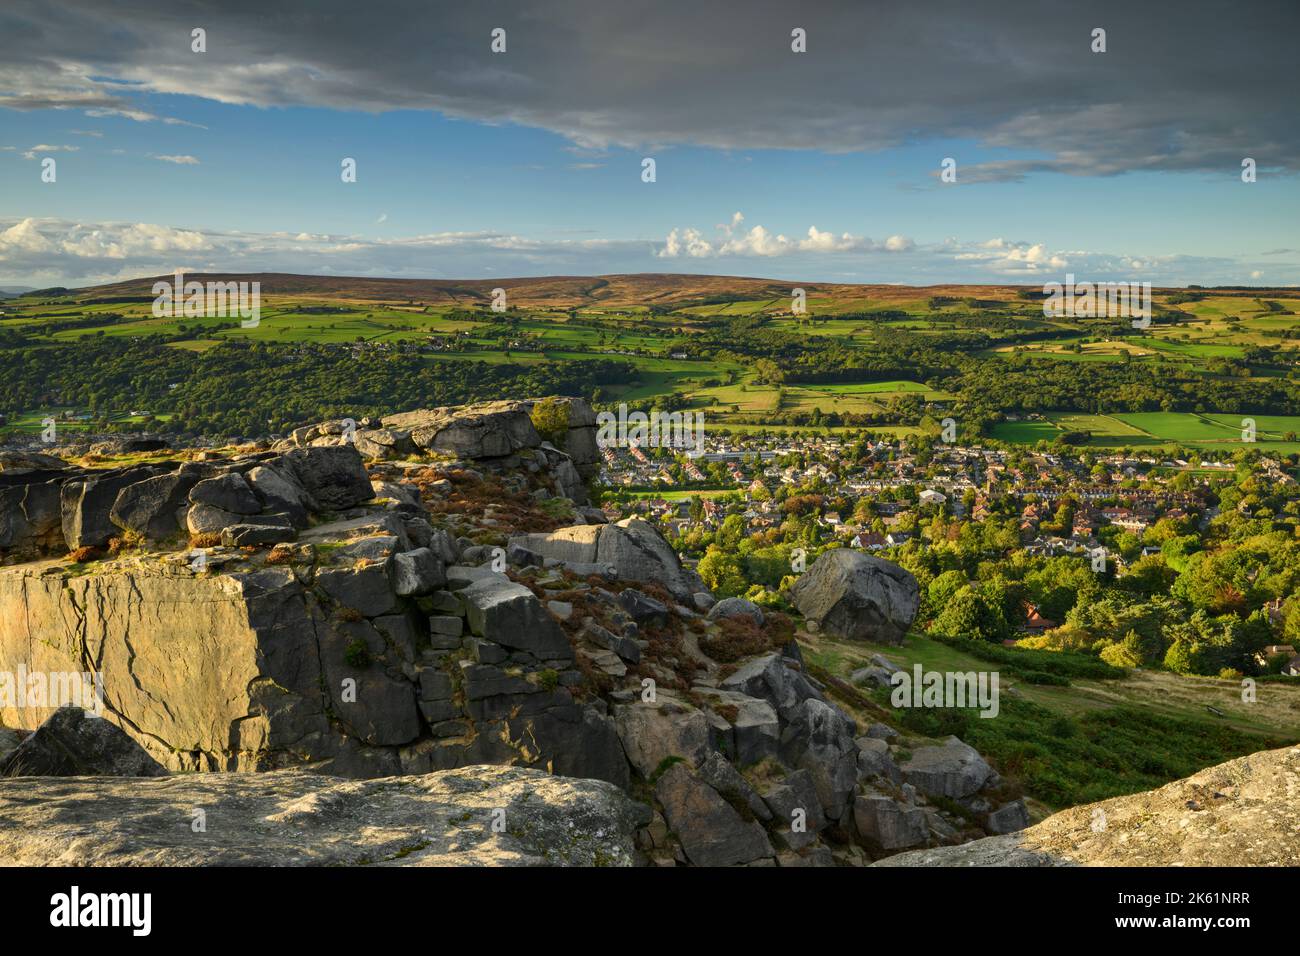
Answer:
(87, 501)
(452, 818)
(13, 463)
(887, 824)
(654, 732)
(711, 831)
(771, 679)
(378, 708)
(952, 769)
(229, 492)
(820, 740)
(857, 596)
(333, 475)
(282, 492)
(752, 730)
(573, 545)
(509, 614)
(72, 744)
(31, 517)
(485, 430)
(149, 507)
(1239, 813)
(639, 553)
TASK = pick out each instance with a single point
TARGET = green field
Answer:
(1140, 429)
(1205, 335)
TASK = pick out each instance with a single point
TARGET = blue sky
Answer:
(534, 169)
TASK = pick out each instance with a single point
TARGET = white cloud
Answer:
(760, 241)
(178, 160)
(46, 252)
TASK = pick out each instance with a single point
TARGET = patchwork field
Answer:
(725, 325)
(1276, 433)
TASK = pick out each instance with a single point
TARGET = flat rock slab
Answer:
(291, 818)
(1239, 813)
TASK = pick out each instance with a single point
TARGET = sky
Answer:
(820, 165)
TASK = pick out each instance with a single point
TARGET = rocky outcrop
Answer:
(478, 816)
(427, 615)
(857, 596)
(73, 744)
(45, 511)
(1239, 813)
(632, 550)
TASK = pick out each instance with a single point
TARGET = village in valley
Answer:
(1117, 513)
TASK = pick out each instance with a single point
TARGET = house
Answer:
(1273, 650)
(870, 540)
(1035, 623)
(1292, 667)
(895, 538)
(932, 497)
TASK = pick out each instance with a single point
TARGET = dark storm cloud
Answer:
(1182, 86)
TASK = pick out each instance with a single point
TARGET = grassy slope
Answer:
(1093, 739)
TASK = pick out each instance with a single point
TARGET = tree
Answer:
(723, 572)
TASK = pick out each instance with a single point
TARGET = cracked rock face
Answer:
(478, 816)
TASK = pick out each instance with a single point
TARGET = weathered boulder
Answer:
(876, 762)
(73, 744)
(639, 553)
(149, 507)
(794, 803)
(768, 677)
(652, 732)
(711, 831)
(952, 769)
(281, 492)
(229, 492)
(250, 533)
(720, 774)
(572, 545)
(14, 462)
(419, 571)
(365, 589)
(87, 501)
(379, 709)
(209, 519)
(857, 596)
(31, 517)
(510, 615)
(888, 824)
(819, 739)
(485, 430)
(737, 608)
(642, 607)
(752, 731)
(333, 475)
(1238, 813)
(1007, 818)
(384, 443)
(626, 648)
(580, 442)
(288, 818)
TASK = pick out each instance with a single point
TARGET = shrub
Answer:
(551, 419)
(357, 654)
